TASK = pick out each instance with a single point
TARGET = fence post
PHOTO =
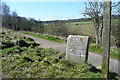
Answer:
(106, 39)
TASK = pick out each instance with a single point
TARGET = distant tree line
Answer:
(79, 20)
(15, 22)
(69, 21)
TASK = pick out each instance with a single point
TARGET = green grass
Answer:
(37, 62)
(98, 49)
(81, 23)
(87, 22)
(116, 20)
(42, 63)
(47, 37)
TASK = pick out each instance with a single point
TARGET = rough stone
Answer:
(77, 48)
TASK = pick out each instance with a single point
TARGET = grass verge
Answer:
(24, 62)
(92, 48)
(98, 49)
(47, 37)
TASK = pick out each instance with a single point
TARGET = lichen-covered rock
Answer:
(77, 48)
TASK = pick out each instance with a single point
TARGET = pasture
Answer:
(85, 28)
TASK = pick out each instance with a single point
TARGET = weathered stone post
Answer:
(77, 48)
(106, 39)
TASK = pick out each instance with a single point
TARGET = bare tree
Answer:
(5, 15)
(94, 10)
(115, 31)
(14, 21)
(115, 26)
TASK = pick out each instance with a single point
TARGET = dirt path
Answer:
(93, 58)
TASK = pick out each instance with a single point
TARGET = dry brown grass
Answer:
(86, 29)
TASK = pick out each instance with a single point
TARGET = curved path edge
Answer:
(94, 59)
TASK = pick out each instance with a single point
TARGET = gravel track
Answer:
(94, 59)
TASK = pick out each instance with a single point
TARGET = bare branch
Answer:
(116, 4)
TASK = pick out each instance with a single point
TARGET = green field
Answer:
(81, 23)
(85, 27)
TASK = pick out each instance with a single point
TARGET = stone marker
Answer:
(77, 48)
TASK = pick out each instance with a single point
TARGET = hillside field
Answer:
(87, 28)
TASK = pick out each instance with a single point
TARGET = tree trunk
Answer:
(97, 32)
(98, 29)
(100, 34)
